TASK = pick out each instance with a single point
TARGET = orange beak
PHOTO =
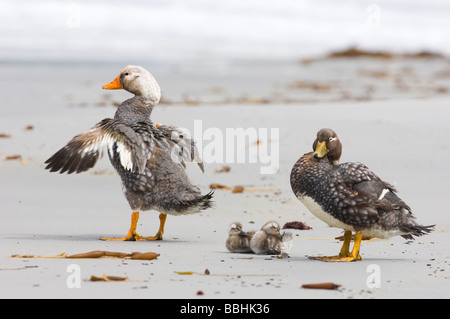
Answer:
(114, 85)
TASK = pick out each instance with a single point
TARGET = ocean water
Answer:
(173, 31)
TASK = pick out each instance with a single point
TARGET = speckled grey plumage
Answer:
(183, 146)
(352, 193)
(141, 153)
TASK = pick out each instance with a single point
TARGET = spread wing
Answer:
(183, 147)
(83, 151)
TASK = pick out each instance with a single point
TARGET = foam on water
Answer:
(173, 31)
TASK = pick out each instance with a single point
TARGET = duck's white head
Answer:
(271, 228)
(136, 80)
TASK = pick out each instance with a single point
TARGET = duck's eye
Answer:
(331, 139)
(126, 73)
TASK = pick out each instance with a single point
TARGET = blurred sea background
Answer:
(268, 46)
(171, 31)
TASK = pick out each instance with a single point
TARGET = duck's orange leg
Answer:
(345, 254)
(132, 235)
(159, 234)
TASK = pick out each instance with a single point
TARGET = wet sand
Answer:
(402, 138)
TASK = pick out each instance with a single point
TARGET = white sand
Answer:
(405, 141)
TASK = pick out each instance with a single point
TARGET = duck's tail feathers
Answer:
(416, 230)
(206, 200)
(286, 243)
(191, 205)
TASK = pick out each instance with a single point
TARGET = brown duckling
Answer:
(238, 241)
(268, 240)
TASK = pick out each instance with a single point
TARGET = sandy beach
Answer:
(397, 130)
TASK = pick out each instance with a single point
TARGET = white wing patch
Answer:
(125, 156)
(383, 193)
(108, 141)
(83, 151)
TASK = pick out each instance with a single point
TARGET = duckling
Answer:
(351, 197)
(144, 155)
(238, 241)
(268, 240)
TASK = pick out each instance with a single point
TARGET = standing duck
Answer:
(351, 197)
(238, 241)
(269, 241)
(149, 159)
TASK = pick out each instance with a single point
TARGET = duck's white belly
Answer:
(318, 211)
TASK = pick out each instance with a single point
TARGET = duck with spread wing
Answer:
(150, 159)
